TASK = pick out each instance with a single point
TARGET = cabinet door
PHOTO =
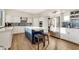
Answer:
(16, 19)
(6, 39)
(36, 22)
(12, 19)
(64, 33)
(74, 35)
(29, 20)
(68, 34)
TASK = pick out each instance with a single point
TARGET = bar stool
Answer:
(38, 37)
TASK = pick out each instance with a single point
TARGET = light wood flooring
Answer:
(20, 42)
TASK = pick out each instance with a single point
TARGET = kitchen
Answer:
(62, 24)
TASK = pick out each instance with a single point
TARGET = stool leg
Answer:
(48, 39)
(34, 40)
(38, 43)
(44, 41)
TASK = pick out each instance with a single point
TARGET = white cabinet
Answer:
(74, 35)
(12, 19)
(35, 22)
(29, 20)
(64, 34)
(5, 37)
(70, 34)
(18, 29)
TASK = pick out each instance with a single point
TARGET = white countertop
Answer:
(6, 29)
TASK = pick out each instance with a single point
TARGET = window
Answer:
(0, 17)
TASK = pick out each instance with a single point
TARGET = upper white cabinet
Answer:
(17, 19)
(29, 20)
(12, 19)
(36, 21)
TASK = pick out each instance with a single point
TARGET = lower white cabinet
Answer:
(74, 35)
(70, 34)
(18, 29)
(5, 38)
(64, 33)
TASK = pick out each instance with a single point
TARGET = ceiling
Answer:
(43, 11)
(32, 11)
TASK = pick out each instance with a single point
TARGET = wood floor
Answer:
(20, 42)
